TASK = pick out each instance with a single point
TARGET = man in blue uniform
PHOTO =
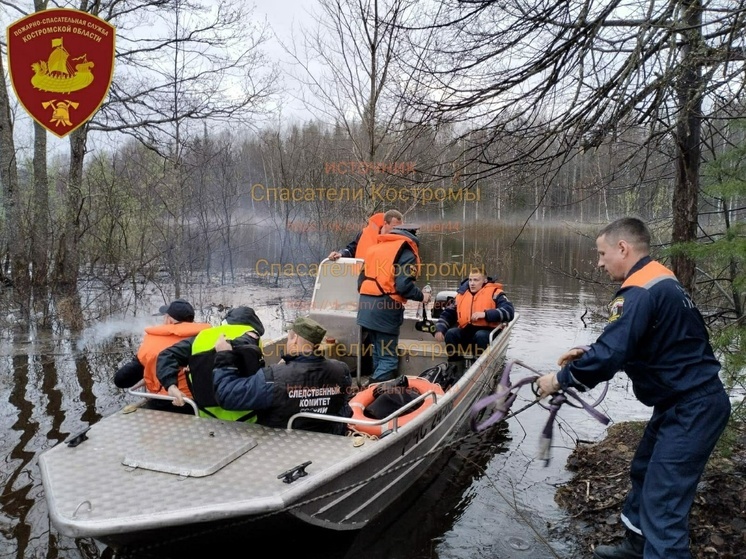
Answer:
(657, 336)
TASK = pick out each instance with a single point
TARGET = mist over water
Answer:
(492, 497)
(108, 329)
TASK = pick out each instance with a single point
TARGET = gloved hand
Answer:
(547, 385)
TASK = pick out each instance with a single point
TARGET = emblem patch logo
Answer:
(615, 309)
(61, 62)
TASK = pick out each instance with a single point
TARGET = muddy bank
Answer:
(595, 494)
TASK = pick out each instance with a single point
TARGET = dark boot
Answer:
(631, 548)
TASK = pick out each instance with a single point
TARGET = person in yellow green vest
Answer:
(199, 354)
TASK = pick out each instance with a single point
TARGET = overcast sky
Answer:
(283, 16)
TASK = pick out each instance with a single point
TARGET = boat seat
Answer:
(416, 355)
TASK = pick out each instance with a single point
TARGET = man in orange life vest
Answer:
(178, 324)
(658, 337)
(480, 306)
(380, 223)
(386, 282)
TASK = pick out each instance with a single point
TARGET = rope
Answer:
(500, 402)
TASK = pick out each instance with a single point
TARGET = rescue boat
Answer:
(143, 477)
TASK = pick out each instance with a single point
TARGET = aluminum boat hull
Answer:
(139, 473)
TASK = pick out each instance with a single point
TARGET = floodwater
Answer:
(490, 497)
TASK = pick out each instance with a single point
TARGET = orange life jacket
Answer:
(158, 338)
(369, 236)
(649, 272)
(380, 263)
(468, 303)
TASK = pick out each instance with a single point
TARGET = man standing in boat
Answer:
(303, 381)
(378, 224)
(386, 283)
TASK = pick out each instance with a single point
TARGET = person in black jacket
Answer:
(303, 381)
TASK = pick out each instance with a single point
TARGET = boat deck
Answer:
(140, 471)
(179, 477)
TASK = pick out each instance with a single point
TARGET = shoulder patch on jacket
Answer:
(615, 309)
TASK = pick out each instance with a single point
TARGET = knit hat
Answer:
(308, 329)
(178, 309)
(245, 316)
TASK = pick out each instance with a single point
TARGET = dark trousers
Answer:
(468, 340)
(385, 357)
(667, 466)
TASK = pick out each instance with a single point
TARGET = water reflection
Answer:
(56, 386)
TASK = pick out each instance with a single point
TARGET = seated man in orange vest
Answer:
(378, 224)
(479, 307)
(178, 324)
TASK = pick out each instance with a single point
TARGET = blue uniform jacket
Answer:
(302, 383)
(657, 336)
(234, 391)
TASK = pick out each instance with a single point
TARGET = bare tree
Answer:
(581, 72)
(353, 78)
(9, 180)
(178, 62)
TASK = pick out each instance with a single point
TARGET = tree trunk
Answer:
(68, 261)
(688, 130)
(39, 227)
(9, 180)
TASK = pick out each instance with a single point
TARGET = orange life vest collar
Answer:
(369, 236)
(468, 303)
(650, 273)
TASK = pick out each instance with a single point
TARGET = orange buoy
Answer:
(365, 398)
